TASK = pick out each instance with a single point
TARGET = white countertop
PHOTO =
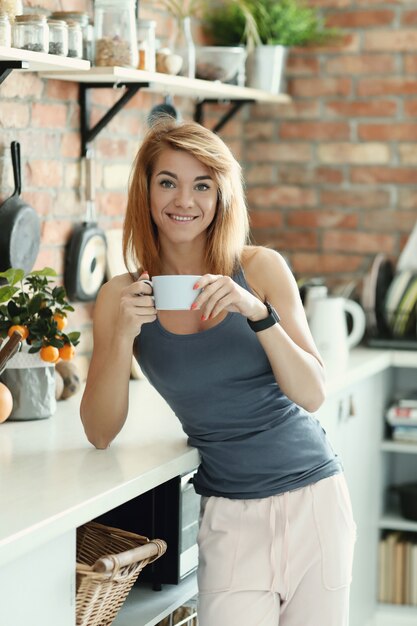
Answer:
(52, 480)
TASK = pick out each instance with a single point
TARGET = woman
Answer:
(276, 534)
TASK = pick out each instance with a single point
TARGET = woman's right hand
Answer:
(137, 306)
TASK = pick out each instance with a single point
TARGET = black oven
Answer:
(170, 512)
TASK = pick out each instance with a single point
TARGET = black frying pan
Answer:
(85, 257)
(20, 229)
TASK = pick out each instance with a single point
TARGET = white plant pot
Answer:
(266, 68)
(32, 384)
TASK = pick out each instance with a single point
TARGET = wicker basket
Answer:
(109, 560)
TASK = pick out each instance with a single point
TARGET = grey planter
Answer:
(266, 68)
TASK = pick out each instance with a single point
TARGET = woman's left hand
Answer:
(221, 293)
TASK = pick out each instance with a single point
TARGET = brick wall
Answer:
(330, 177)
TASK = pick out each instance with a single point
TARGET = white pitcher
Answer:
(329, 328)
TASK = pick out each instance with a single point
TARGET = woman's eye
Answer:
(202, 187)
(166, 184)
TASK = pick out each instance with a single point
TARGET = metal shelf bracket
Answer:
(7, 67)
(235, 106)
(89, 133)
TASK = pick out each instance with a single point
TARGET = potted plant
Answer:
(268, 28)
(32, 306)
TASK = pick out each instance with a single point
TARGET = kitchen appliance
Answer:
(85, 255)
(20, 230)
(329, 327)
(170, 512)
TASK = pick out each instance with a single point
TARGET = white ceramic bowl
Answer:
(222, 63)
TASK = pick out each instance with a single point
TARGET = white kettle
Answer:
(328, 325)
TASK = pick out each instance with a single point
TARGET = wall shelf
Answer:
(131, 81)
(397, 446)
(393, 520)
(26, 60)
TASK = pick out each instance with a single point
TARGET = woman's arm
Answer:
(289, 346)
(120, 310)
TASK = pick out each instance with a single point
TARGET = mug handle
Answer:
(359, 322)
(148, 282)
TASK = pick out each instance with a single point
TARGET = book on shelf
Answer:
(401, 415)
(397, 581)
(405, 434)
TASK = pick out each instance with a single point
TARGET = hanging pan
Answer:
(20, 229)
(85, 257)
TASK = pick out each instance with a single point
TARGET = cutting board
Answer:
(115, 265)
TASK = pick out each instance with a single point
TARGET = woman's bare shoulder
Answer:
(257, 258)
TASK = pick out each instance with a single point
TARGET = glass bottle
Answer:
(75, 40)
(58, 37)
(5, 31)
(30, 32)
(146, 45)
(184, 46)
(115, 33)
(83, 20)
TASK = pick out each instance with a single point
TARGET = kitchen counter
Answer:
(52, 480)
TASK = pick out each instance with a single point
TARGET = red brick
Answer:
(361, 64)
(259, 174)
(297, 109)
(258, 129)
(14, 115)
(111, 203)
(376, 108)
(360, 19)
(296, 175)
(322, 219)
(353, 153)
(265, 219)
(410, 63)
(109, 148)
(294, 240)
(332, 4)
(62, 90)
(385, 175)
(281, 196)
(314, 130)
(347, 42)
(387, 132)
(355, 198)
(50, 256)
(392, 221)
(409, 17)
(408, 153)
(298, 64)
(49, 115)
(407, 199)
(263, 152)
(22, 85)
(358, 242)
(56, 231)
(319, 87)
(43, 173)
(386, 86)
(41, 201)
(71, 145)
(395, 40)
(316, 264)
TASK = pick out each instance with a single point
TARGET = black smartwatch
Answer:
(273, 318)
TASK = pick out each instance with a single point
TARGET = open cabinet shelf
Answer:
(40, 61)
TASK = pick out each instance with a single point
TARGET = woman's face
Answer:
(183, 197)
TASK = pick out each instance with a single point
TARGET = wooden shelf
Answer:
(145, 607)
(165, 83)
(41, 62)
(392, 520)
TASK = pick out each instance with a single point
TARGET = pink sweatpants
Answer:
(284, 560)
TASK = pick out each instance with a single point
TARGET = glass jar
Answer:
(58, 37)
(5, 31)
(75, 40)
(184, 46)
(115, 33)
(87, 32)
(12, 8)
(30, 32)
(146, 45)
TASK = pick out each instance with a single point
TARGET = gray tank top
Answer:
(253, 441)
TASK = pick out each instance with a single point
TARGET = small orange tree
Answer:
(38, 311)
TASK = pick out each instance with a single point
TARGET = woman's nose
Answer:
(184, 197)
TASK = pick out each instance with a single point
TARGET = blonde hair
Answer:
(226, 235)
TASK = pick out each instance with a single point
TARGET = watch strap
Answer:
(267, 322)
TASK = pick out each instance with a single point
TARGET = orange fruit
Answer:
(67, 352)
(61, 320)
(6, 403)
(19, 328)
(49, 354)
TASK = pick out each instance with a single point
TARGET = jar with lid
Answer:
(83, 20)
(58, 37)
(75, 40)
(5, 31)
(30, 32)
(12, 8)
(146, 45)
(115, 33)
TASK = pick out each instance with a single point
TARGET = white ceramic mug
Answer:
(175, 292)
